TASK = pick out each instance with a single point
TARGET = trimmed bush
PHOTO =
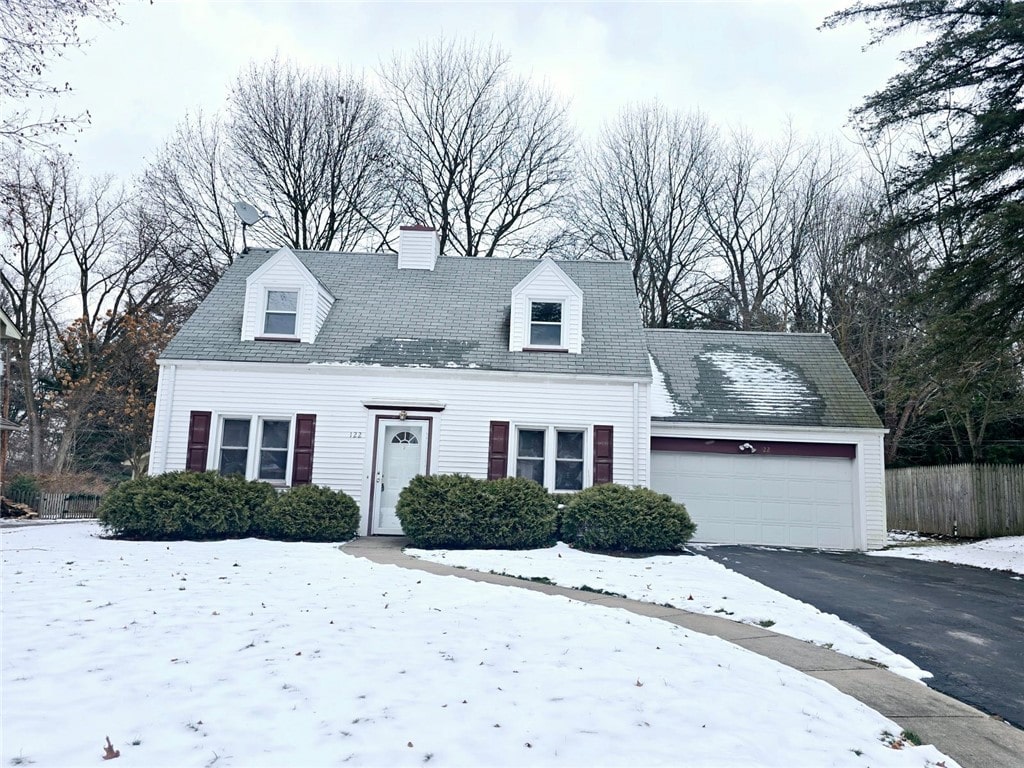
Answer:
(461, 512)
(617, 518)
(308, 513)
(185, 505)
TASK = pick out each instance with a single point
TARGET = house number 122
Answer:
(356, 435)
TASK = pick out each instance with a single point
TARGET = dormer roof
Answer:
(284, 271)
(547, 283)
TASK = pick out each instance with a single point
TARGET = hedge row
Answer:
(461, 512)
(205, 505)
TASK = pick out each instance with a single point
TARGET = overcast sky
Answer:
(751, 63)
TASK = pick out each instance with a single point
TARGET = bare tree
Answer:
(186, 212)
(638, 201)
(484, 154)
(32, 34)
(311, 147)
(745, 196)
(31, 226)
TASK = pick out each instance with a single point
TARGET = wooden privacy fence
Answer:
(61, 506)
(970, 500)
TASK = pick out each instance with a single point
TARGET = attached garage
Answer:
(767, 439)
(768, 499)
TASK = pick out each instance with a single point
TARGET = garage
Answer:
(761, 493)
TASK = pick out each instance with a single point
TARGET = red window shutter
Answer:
(497, 454)
(198, 441)
(602, 454)
(302, 456)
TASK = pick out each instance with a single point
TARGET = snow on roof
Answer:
(661, 401)
(766, 387)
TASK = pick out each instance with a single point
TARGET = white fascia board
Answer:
(342, 369)
(764, 432)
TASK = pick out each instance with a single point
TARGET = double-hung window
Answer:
(234, 447)
(282, 309)
(255, 448)
(566, 446)
(545, 324)
(274, 450)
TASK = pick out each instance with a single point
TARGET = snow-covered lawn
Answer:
(692, 582)
(255, 653)
(1002, 554)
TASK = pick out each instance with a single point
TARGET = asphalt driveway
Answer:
(964, 625)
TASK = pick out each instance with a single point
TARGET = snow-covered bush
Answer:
(184, 505)
(614, 517)
(308, 513)
(461, 512)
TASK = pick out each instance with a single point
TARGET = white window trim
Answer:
(551, 450)
(252, 457)
(561, 323)
(298, 291)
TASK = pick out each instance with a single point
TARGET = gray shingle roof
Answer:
(728, 377)
(456, 316)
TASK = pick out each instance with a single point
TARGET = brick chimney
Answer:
(418, 247)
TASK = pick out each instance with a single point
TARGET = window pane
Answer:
(279, 323)
(282, 301)
(275, 434)
(545, 335)
(236, 433)
(546, 312)
(531, 443)
(531, 469)
(273, 464)
(568, 475)
(232, 461)
(570, 445)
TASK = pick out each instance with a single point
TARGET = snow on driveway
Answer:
(1002, 554)
(256, 653)
(692, 582)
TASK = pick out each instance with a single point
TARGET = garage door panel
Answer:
(797, 501)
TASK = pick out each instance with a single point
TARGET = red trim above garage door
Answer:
(753, 447)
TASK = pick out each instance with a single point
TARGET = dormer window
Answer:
(282, 309)
(545, 324)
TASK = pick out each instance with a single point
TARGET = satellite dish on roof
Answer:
(249, 214)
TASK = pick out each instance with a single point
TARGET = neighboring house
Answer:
(359, 371)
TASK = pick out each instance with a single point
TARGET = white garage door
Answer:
(790, 501)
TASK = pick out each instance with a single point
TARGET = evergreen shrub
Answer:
(461, 512)
(185, 506)
(616, 518)
(308, 513)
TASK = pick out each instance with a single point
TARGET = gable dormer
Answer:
(547, 312)
(284, 301)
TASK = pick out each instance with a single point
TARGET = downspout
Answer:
(162, 420)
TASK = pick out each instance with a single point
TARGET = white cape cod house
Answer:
(360, 371)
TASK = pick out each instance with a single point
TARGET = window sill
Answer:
(291, 339)
(546, 349)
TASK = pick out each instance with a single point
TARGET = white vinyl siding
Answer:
(344, 427)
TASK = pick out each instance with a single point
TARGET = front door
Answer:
(401, 455)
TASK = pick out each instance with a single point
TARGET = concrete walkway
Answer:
(969, 736)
